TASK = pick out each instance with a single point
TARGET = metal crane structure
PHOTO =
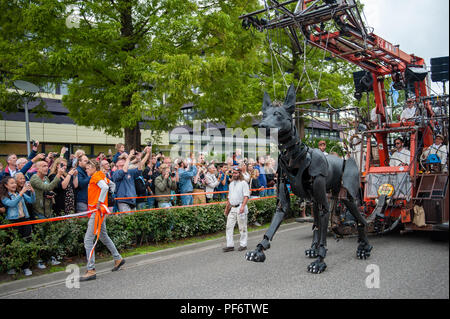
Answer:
(391, 193)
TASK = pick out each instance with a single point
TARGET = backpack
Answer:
(140, 185)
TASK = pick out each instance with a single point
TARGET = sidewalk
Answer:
(48, 280)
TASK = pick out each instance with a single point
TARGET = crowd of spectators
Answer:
(56, 184)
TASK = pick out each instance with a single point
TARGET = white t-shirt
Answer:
(373, 115)
(211, 182)
(246, 177)
(237, 191)
(408, 113)
(400, 158)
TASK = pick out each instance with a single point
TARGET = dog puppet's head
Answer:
(279, 117)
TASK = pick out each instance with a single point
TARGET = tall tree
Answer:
(131, 61)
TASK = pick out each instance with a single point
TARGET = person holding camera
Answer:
(65, 190)
(224, 180)
(199, 185)
(16, 210)
(164, 184)
(186, 172)
(150, 173)
(124, 178)
(211, 182)
(44, 189)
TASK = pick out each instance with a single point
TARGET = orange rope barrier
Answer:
(187, 194)
(84, 214)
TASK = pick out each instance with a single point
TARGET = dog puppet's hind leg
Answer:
(364, 248)
(314, 250)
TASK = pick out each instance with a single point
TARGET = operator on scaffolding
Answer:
(439, 149)
(409, 112)
(401, 156)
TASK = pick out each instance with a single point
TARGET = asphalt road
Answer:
(410, 266)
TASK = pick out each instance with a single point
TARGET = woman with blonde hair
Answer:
(254, 184)
(64, 200)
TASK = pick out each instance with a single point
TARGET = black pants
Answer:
(24, 230)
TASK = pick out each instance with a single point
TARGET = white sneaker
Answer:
(41, 265)
(54, 261)
(27, 272)
(11, 272)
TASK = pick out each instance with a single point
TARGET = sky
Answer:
(420, 27)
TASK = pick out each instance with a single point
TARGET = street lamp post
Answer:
(29, 88)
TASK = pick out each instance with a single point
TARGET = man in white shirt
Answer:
(236, 210)
(401, 156)
(211, 182)
(440, 149)
(409, 112)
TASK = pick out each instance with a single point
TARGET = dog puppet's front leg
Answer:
(283, 205)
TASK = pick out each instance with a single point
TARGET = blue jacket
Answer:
(24, 169)
(125, 186)
(12, 202)
(83, 183)
(262, 176)
(221, 187)
(185, 183)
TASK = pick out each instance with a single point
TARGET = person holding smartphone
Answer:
(16, 210)
(65, 190)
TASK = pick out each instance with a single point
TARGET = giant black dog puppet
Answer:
(311, 175)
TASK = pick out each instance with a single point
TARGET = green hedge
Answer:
(65, 238)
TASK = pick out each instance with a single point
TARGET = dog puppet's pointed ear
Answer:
(289, 101)
(266, 102)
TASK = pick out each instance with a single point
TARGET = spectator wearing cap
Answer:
(236, 210)
(409, 112)
(401, 156)
(323, 147)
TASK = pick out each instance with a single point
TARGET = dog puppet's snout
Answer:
(263, 124)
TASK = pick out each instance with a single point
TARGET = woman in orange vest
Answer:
(98, 201)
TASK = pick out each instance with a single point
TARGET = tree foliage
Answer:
(132, 61)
